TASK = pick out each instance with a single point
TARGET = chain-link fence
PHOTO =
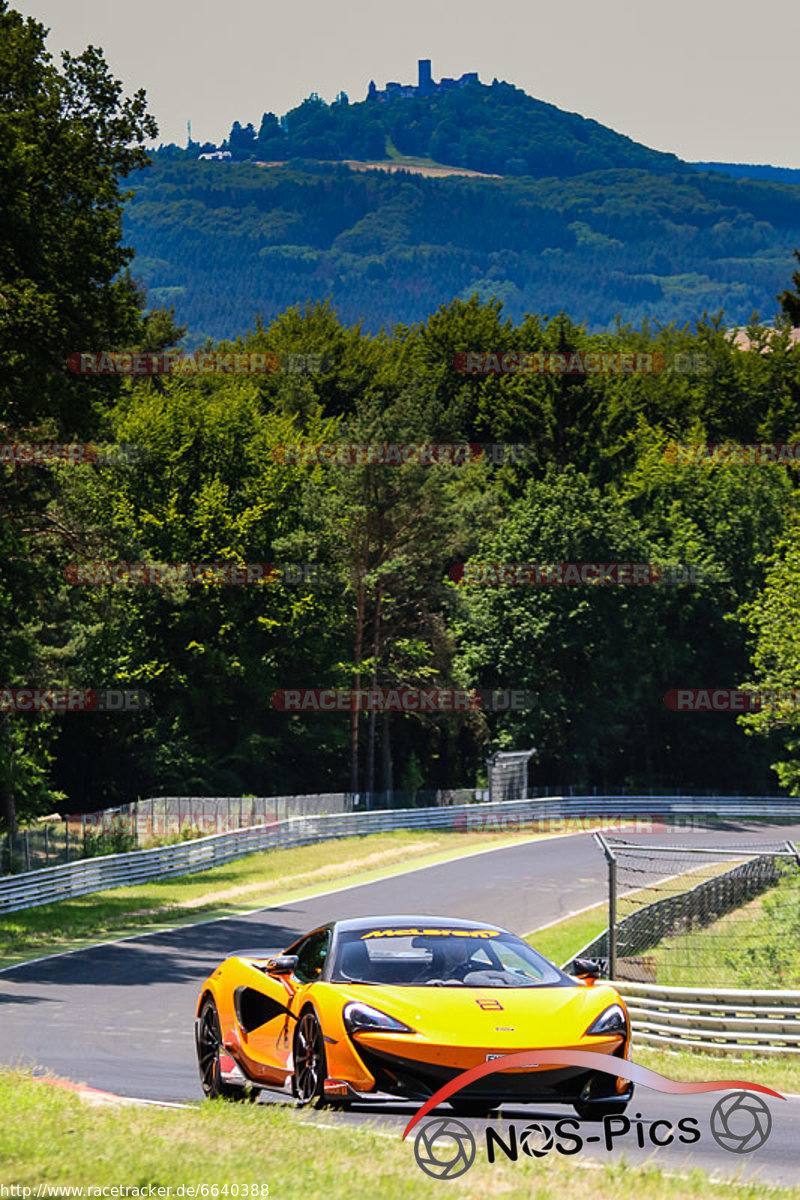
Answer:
(169, 815)
(687, 916)
(48, 843)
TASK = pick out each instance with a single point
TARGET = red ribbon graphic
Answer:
(590, 1059)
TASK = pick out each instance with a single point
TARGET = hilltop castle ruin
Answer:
(424, 87)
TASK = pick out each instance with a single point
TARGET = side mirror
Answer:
(586, 968)
(283, 964)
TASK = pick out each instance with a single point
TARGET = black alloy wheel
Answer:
(209, 1047)
(309, 1060)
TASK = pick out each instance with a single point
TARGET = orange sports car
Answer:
(401, 1005)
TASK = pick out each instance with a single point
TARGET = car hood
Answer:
(541, 1017)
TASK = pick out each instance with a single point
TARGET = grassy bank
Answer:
(756, 946)
(49, 1136)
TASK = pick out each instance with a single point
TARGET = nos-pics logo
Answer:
(445, 1147)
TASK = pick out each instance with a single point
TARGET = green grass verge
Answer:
(50, 1136)
(259, 880)
(690, 1066)
(560, 941)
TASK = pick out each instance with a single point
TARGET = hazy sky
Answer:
(707, 79)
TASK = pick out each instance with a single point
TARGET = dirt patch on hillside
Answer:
(430, 171)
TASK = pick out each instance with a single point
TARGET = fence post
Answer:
(612, 904)
(612, 918)
(26, 844)
(66, 839)
(47, 844)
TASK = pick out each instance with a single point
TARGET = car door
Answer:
(263, 1014)
(274, 1039)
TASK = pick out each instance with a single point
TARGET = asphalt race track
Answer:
(119, 1017)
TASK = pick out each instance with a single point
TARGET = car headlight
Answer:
(611, 1020)
(363, 1018)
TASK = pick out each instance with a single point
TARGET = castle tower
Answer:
(424, 76)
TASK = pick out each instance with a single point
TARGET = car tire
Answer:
(595, 1111)
(208, 1042)
(471, 1108)
(310, 1067)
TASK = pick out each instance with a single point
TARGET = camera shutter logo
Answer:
(444, 1148)
(536, 1140)
(741, 1122)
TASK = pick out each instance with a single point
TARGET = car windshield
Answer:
(479, 958)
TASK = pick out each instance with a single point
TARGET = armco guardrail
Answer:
(719, 1020)
(35, 888)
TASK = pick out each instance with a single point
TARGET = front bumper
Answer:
(417, 1080)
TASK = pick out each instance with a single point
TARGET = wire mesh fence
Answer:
(167, 816)
(689, 916)
(48, 843)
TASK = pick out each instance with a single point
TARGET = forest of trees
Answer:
(223, 241)
(210, 484)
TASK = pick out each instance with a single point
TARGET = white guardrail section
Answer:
(49, 884)
(718, 1020)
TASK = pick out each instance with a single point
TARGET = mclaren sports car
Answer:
(399, 1006)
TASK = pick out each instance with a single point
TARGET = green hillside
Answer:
(225, 241)
(497, 129)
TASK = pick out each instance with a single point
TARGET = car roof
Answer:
(414, 919)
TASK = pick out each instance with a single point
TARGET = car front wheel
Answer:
(472, 1108)
(599, 1109)
(309, 1060)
